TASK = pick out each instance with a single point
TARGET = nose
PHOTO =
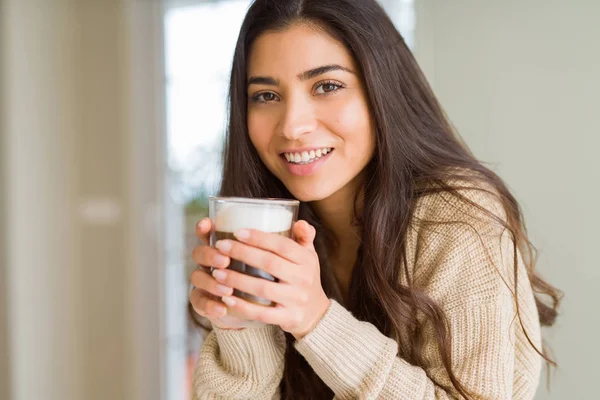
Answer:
(299, 118)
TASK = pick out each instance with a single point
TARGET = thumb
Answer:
(304, 233)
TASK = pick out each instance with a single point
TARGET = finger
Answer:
(205, 306)
(278, 292)
(209, 257)
(245, 309)
(206, 282)
(305, 234)
(277, 244)
(203, 228)
(264, 260)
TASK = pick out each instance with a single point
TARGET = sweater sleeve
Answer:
(240, 364)
(358, 362)
(464, 269)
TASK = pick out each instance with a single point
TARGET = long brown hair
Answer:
(417, 153)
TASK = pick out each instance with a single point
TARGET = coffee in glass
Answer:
(229, 214)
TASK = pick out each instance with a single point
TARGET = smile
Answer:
(307, 157)
(307, 162)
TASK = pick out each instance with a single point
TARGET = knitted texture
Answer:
(463, 259)
(244, 364)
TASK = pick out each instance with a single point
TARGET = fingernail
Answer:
(224, 290)
(242, 234)
(219, 275)
(224, 246)
(229, 301)
(219, 260)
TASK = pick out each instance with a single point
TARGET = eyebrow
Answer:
(311, 73)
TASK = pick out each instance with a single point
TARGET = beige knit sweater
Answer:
(466, 266)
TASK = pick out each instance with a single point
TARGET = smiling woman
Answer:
(411, 264)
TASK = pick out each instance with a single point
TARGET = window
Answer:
(199, 43)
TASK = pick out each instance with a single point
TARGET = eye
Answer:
(328, 87)
(265, 97)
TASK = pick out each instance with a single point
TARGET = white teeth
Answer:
(306, 157)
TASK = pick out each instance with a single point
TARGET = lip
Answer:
(306, 169)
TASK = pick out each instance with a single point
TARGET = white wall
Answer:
(521, 82)
(81, 161)
(4, 340)
(4, 360)
(44, 283)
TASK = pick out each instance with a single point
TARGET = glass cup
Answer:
(230, 214)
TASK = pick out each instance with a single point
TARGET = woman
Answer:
(410, 276)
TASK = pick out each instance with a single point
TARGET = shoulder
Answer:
(458, 245)
(473, 202)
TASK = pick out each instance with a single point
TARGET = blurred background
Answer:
(112, 115)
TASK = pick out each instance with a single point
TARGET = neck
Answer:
(337, 212)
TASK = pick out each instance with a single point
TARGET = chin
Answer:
(309, 194)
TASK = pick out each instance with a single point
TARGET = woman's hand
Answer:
(205, 297)
(299, 296)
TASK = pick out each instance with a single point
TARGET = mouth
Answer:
(306, 162)
(307, 156)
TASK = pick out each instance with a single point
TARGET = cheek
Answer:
(352, 122)
(259, 131)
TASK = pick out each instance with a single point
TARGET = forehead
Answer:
(293, 50)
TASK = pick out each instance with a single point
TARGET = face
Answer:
(308, 115)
